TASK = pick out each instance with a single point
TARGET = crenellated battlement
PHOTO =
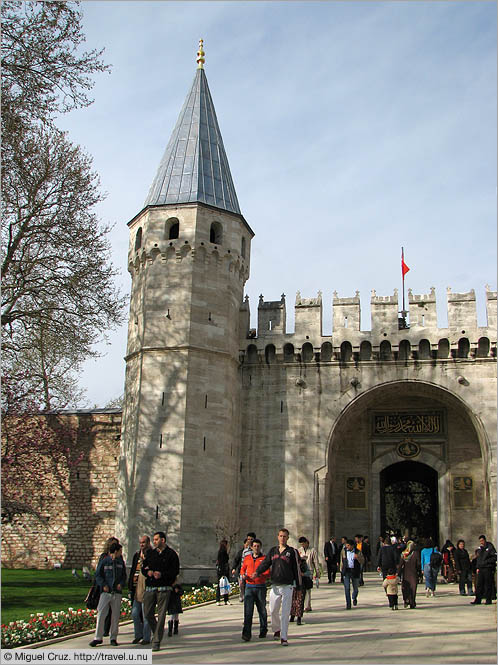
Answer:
(176, 252)
(390, 338)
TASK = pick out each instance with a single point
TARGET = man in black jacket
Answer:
(388, 557)
(351, 563)
(160, 567)
(331, 554)
(485, 566)
(285, 574)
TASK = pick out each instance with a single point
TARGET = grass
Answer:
(29, 591)
(26, 592)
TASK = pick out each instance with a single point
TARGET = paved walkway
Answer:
(444, 629)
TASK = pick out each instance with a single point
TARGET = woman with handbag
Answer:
(222, 570)
(298, 596)
(311, 556)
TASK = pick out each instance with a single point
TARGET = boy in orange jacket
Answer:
(255, 591)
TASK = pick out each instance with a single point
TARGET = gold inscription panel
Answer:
(394, 424)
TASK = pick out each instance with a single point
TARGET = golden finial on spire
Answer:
(200, 55)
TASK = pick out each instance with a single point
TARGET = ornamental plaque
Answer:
(392, 424)
(463, 492)
(356, 495)
(408, 449)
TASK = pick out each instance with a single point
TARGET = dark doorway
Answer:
(409, 500)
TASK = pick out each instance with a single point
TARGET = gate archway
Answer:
(409, 500)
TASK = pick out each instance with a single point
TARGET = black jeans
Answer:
(465, 578)
(255, 595)
(484, 585)
(331, 570)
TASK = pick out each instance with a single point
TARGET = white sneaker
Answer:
(218, 604)
(228, 602)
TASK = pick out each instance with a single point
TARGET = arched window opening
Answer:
(270, 354)
(483, 347)
(463, 347)
(424, 349)
(326, 352)
(288, 353)
(172, 228)
(443, 348)
(252, 354)
(243, 248)
(307, 352)
(346, 352)
(138, 239)
(216, 233)
(405, 350)
(365, 351)
(385, 350)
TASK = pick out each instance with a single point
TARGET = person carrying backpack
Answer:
(431, 560)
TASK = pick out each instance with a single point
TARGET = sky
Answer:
(351, 128)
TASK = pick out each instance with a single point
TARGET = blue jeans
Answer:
(255, 595)
(348, 579)
(430, 577)
(141, 628)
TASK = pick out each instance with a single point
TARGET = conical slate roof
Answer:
(194, 166)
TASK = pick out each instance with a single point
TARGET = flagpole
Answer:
(403, 313)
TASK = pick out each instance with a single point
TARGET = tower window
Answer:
(216, 233)
(243, 248)
(172, 228)
(138, 239)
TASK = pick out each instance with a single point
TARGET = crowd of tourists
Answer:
(290, 573)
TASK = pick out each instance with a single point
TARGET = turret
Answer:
(188, 257)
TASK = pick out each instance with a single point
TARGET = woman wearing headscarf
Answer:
(449, 564)
(409, 570)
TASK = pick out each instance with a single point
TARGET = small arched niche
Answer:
(216, 234)
(346, 352)
(424, 349)
(307, 351)
(138, 239)
(326, 352)
(288, 353)
(463, 347)
(483, 347)
(172, 228)
(443, 348)
(365, 351)
(385, 352)
(405, 350)
(270, 354)
(252, 354)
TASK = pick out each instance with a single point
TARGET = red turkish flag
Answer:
(404, 267)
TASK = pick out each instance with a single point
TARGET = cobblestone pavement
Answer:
(444, 629)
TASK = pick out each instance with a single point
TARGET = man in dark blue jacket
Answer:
(110, 576)
(351, 562)
(485, 567)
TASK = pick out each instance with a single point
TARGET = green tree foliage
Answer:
(58, 284)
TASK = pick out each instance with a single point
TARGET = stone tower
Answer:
(189, 260)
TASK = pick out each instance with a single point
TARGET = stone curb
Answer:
(70, 636)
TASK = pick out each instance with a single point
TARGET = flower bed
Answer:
(57, 624)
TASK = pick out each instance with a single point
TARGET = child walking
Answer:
(390, 585)
(174, 609)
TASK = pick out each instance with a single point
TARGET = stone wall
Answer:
(79, 515)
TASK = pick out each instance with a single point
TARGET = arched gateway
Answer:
(407, 456)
